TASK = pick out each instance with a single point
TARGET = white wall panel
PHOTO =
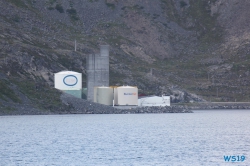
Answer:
(68, 80)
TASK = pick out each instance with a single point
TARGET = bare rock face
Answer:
(178, 95)
(232, 17)
(137, 52)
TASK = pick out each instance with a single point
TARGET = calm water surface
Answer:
(201, 138)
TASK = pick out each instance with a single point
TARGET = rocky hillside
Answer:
(192, 50)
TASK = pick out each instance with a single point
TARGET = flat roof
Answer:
(67, 72)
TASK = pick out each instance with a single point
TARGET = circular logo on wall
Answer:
(70, 80)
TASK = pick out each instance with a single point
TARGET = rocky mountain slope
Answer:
(192, 50)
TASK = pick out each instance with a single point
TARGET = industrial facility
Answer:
(98, 89)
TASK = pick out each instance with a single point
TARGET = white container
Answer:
(154, 101)
(126, 95)
(68, 80)
(104, 95)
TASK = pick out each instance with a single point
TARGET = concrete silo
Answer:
(97, 71)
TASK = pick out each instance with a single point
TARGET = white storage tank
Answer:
(126, 95)
(104, 95)
(68, 80)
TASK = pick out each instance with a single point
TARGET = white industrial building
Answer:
(154, 101)
(70, 82)
(126, 95)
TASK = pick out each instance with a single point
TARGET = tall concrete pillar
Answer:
(104, 50)
(97, 71)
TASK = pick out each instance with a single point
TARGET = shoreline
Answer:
(79, 106)
(217, 105)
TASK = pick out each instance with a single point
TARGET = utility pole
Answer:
(75, 45)
(217, 91)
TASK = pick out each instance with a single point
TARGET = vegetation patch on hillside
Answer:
(42, 95)
(73, 14)
(7, 93)
(59, 8)
(18, 3)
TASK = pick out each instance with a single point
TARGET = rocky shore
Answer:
(216, 106)
(85, 107)
(74, 105)
(79, 106)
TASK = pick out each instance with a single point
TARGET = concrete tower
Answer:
(97, 71)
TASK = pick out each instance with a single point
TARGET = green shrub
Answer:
(51, 2)
(110, 5)
(73, 14)
(71, 11)
(6, 92)
(18, 3)
(183, 4)
(59, 8)
(50, 8)
(16, 18)
(71, 4)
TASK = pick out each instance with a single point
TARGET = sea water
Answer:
(199, 138)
